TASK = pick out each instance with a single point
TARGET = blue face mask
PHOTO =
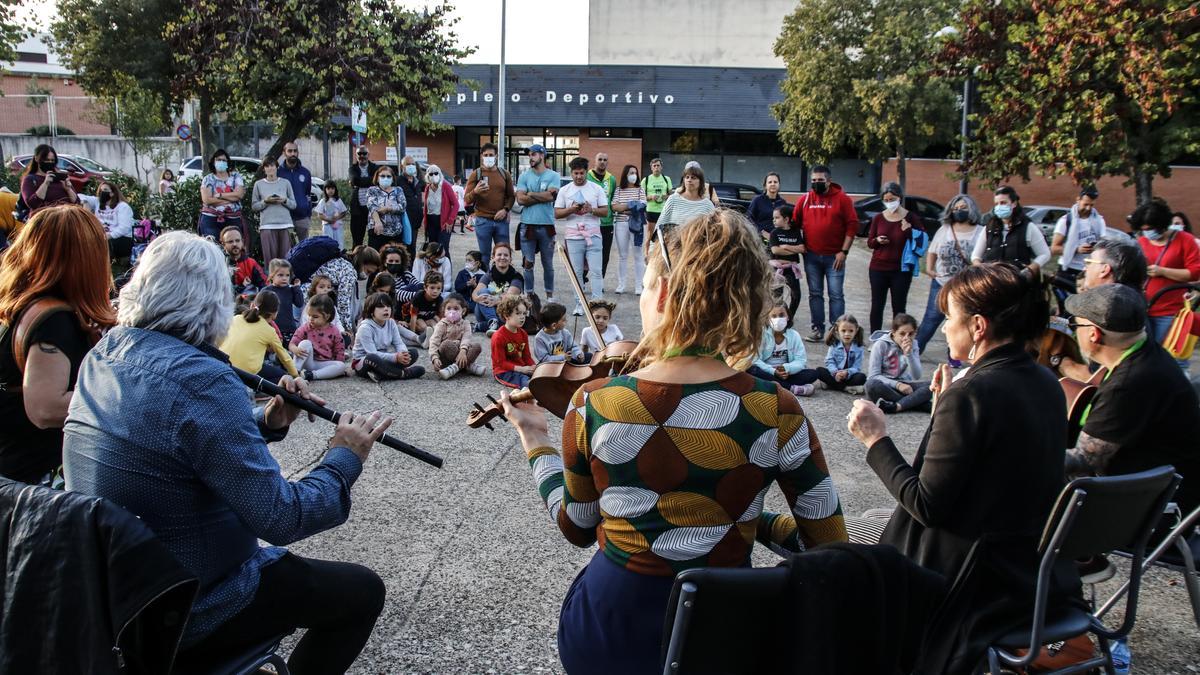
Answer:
(1003, 211)
(1153, 235)
(411, 169)
(1176, 227)
(221, 165)
(385, 181)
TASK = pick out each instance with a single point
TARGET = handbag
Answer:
(1181, 338)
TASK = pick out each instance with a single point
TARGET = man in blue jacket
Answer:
(295, 173)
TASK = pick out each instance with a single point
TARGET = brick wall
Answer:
(932, 178)
(621, 151)
(73, 108)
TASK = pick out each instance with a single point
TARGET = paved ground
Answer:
(476, 572)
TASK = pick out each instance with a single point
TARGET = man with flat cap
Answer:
(1145, 413)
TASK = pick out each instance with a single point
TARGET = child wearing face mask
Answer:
(432, 258)
(895, 368)
(844, 360)
(451, 349)
(468, 277)
(782, 356)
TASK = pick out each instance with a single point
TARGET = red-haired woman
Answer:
(50, 315)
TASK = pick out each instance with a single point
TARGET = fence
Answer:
(50, 115)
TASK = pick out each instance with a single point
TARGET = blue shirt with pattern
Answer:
(167, 430)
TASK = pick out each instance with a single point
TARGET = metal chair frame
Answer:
(1179, 538)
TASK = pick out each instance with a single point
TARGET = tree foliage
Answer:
(136, 115)
(1085, 88)
(11, 31)
(304, 61)
(858, 78)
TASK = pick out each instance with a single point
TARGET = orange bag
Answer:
(1181, 339)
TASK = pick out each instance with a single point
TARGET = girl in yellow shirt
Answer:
(250, 336)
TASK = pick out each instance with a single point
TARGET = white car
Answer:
(1046, 217)
(247, 166)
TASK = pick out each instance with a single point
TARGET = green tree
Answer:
(303, 61)
(136, 115)
(1085, 88)
(858, 77)
(11, 31)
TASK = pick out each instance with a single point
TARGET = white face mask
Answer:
(434, 178)
(892, 206)
(489, 161)
(1177, 227)
(778, 323)
(632, 177)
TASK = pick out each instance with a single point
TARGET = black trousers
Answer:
(337, 602)
(606, 239)
(358, 224)
(387, 369)
(794, 284)
(882, 283)
(855, 380)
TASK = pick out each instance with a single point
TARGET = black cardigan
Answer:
(991, 462)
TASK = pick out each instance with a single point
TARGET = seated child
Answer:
(317, 345)
(512, 362)
(321, 284)
(431, 259)
(844, 360)
(426, 308)
(468, 276)
(602, 311)
(386, 283)
(895, 367)
(251, 335)
(553, 343)
(782, 357)
(379, 353)
(291, 298)
(450, 347)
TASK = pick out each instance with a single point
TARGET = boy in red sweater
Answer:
(512, 360)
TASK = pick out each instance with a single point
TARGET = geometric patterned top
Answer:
(668, 477)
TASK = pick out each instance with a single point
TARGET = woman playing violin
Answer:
(666, 468)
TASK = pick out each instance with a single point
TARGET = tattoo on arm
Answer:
(47, 349)
(1090, 454)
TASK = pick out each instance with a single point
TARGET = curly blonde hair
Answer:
(718, 288)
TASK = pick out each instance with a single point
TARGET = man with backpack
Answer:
(1075, 236)
(490, 190)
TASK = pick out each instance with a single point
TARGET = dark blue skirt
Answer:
(612, 620)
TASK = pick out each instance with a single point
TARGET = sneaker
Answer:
(803, 389)
(1096, 569)
(424, 339)
(372, 376)
(888, 407)
(578, 311)
(413, 372)
(307, 374)
(815, 335)
(637, 291)
(476, 369)
(493, 326)
(820, 384)
(1122, 659)
(448, 372)
(854, 391)
(620, 290)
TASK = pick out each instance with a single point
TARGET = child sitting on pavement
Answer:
(554, 343)
(291, 298)
(450, 346)
(844, 360)
(379, 353)
(602, 312)
(895, 368)
(426, 308)
(512, 362)
(317, 345)
(782, 357)
(468, 276)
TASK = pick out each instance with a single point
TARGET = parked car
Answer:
(80, 170)
(736, 196)
(1046, 217)
(247, 166)
(929, 211)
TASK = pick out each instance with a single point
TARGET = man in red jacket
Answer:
(827, 223)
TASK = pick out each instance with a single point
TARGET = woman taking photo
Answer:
(386, 208)
(221, 194)
(891, 231)
(58, 312)
(762, 208)
(949, 254)
(116, 215)
(664, 467)
(992, 461)
(43, 184)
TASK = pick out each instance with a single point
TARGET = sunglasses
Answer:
(659, 236)
(1075, 325)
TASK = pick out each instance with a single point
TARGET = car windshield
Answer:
(193, 163)
(90, 165)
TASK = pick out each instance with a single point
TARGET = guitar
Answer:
(1079, 396)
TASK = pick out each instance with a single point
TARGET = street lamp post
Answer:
(500, 159)
(947, 33)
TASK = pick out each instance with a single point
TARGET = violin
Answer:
(553, 384)
(1079, 396)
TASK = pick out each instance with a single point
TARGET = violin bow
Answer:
(587, 312)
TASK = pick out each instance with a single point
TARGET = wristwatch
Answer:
(845, 251)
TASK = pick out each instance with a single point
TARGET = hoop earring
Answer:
(971, 354)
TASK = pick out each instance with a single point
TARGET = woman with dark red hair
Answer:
(54, 301)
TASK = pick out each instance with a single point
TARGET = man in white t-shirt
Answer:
(1076, 234)
(582, 204)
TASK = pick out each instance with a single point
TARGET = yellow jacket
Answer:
(247, 344)
(8, 203)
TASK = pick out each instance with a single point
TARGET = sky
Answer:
(538, 31)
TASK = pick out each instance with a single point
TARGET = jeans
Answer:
(484, 315)
(831, 382)
(592, 248)
(933, 317)
(624, 240)
(488, 232)
(541, 243)
(337, 602)
(806, 376)
(819, 269)
(511, 378)
(1159, 327)
(380, 241)
(209, 226)
(897, 282)
(918, 400)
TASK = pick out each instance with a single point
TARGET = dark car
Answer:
(736, 196)
(79, 170)
(929, 211)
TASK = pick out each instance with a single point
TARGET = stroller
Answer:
(144, 232)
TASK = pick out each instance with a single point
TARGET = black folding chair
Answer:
(1091, 517)
(1178, 552)
(246, 662)
(712, 613)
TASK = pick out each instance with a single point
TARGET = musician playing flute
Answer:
(666, 467)
(161, 425)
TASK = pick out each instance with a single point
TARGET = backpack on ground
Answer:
(307, 256)
(145, 231)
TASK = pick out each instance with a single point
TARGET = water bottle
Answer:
(1122, 659)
